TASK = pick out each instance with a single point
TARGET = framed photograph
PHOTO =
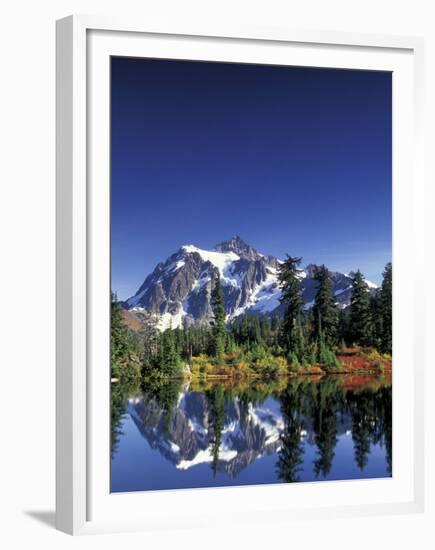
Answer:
(238, 320)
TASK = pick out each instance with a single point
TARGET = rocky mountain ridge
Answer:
(178, 291)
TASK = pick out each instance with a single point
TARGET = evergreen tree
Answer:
(275, 324)
(119, 338)
(300, 344)
(118, 396)
(265, 329)
(360, 318)
(326, 356)
(230, 344)
(150, 344)
(325, 426)
(325, 313)
(124, 360)
(343, 327)
(289, 277)
(217, 416)
(386, 308)
(363, 421)
(245, 333)
(218, 324)
(293, 361)
(384, 412)
(290, 456)
(377, 320)
(170, 362)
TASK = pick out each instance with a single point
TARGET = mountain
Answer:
(178, 290)
(185, 438)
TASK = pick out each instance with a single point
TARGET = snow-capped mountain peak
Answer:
(223, 261)
(178, 291)
(238, 246)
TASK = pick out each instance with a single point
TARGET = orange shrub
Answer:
(201, 365)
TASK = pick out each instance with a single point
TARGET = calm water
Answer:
(172, 436)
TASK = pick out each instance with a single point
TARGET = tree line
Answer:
(317, 334)
(303, 337)
(305, 406)
(324, 405)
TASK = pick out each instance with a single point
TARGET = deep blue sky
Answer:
(294, 160)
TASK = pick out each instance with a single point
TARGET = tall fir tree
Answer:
(125, 363)
(363, 426)
(377, 320)
(386, 308)
(265, 329)
(290, 456)
(325, 313)
(289, 277)
(170, 363)
(218, 323)
(325, 428)
(343, 327)
(150, 336)
(360, 316)
(118, 340)
(216, 401)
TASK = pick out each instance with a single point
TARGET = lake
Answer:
(187, 435)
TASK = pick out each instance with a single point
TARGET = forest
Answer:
(305, 405)
(321, 339)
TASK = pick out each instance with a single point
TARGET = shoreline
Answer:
(261, 377)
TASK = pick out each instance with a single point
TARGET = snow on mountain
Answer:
(187, 440)
(178, 291)
(268, 424)
(370, 284)
(223, 261)
(264, 298)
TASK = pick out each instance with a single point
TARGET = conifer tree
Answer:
(218, 324)
(325, 313)
(244, 332)
(217, 416)
(324, 421)
(150, 344)
(343, 327)
(119, 340)
(169, 358)
(265, 329)
(290, 456)
(125, 363)
(360, 317)
(377, 320)
(229, 342)
(300, 348)
(386, 307)
(362, 427)
(291, 295)
(326, 356)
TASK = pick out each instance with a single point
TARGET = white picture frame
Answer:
(83, 502)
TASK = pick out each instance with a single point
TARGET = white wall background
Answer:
(27, 321)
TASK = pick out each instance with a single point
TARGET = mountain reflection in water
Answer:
(170, 435)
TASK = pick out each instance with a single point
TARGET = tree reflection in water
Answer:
(230, 425)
